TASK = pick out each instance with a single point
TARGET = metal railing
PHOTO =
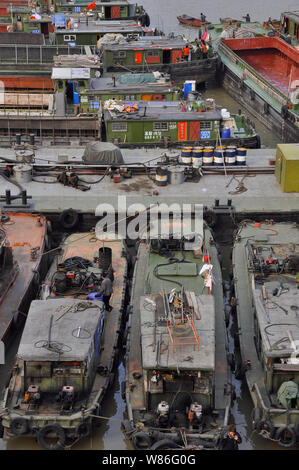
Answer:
(37, 54)
(253, 75)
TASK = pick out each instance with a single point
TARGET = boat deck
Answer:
(23, 233)
(276, 234)
(262, 194)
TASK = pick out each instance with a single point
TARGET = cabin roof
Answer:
(105, 85)
(102, 26)
(186, 357)
(148, 42)
(161, 111)
(64, 330)
(294, 15)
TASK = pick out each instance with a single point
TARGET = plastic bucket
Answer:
(161, 176)
(186, 155)
(230, 156)
(219, 154)
(241, 156)
(207, 158)
(197, 155)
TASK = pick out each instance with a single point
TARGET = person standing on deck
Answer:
(204, 49)
(106, 290)
(229, 440)
(247, 18)
(186, 51)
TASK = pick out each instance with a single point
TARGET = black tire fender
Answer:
(257, 415)
(141, 440)
(284, 111)
(51, 428)
(296, 429)
(164, 444)
(292, 433)
(1, 430)
(210, 217)
(19, 426)
(83, 429)
(266, 424)
(69, 218)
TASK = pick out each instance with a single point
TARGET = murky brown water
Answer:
(163, 15)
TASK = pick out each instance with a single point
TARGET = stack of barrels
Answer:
(217, 156)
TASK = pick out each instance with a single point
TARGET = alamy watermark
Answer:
(130, 218)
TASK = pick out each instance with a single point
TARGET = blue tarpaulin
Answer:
(59, 20)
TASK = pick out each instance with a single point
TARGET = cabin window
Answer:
(207, 125)
(160, 126)
(122, 9)
(119, 54)
(152, 53)
(119, 127)
(130, 97)
(69, 37)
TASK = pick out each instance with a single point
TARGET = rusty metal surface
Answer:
(23, 234)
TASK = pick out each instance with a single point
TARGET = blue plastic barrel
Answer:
(187, 89)
(186, 154)
(225, 134)
(241, 156)
(207, 158)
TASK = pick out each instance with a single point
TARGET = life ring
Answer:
(257, 415)
(282, 439)
(147, 20)
(19, 426)
(83, 429)
(164, 444)
(69, 218)
(141, 441)
(51, 429)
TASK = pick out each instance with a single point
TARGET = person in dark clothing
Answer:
(229, 440)
(247, 18)
(106, 291)
(203, 18)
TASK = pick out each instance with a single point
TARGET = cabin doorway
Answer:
(72, 96)
(45, 28)
(107, 13)
(166, 56)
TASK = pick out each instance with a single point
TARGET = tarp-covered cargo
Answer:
(102, 153)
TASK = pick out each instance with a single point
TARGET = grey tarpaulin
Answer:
(103, 153)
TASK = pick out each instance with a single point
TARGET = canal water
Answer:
(164, 16)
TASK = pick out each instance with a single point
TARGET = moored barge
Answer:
(66, 356)
(177, 376)
(266, 269)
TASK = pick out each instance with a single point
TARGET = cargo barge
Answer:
(265, 270)
(261, 73)
(62, 374)
(177, 374)
(23, 263)
(196, 122)
(161, 54)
